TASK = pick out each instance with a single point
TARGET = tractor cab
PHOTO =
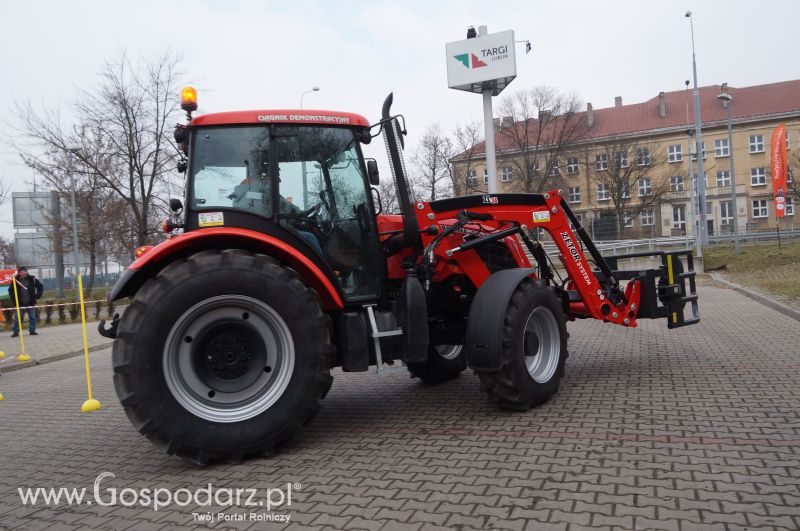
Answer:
(296, 175)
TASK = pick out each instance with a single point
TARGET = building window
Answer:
(574, 194)
(790, 206)
(507, 174)
(601, 162)
(647, 217)
(679, 217)
(725, 213)
(645, 187)
(621, 159)
(789, 176)
(485, 176)
(628, 219)
(723, 178)
(602, 192)
(787, 139)
(756, 143)
(472, 178)
(721, 148)
(758, 177)
(572, 166)
(626, 190)
(675, 153)
(676, 183)
(759, 208)
(702, 149)
(643, 157)
(553, 169)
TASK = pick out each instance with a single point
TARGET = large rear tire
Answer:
(444, 363)
(221, 356)
(534, 350)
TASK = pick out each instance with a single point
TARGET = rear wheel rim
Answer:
(228, 358)
(541, 344)
(448, 352)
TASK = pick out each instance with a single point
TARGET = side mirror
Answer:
(175, 205)
(373, 173)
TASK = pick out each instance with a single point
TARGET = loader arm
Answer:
(593, 290)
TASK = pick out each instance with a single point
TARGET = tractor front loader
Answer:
(280, 265)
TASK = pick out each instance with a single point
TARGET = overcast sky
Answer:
(264, 54)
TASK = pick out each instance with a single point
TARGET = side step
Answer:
(381, 367)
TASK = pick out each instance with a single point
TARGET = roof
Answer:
(287, 116)
(748, 103)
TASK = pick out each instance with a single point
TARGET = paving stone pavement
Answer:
(53, 343)
(695, 428)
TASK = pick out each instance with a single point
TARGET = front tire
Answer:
(534, 350)
(221, 356)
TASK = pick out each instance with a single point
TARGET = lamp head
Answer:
(688, 14)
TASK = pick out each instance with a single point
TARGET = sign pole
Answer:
(488, 124)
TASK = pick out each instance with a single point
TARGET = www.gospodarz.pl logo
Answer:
(264, 500)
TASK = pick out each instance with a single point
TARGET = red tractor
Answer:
(285, 268)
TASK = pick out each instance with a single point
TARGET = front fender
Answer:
(148, 265)
(487, 314)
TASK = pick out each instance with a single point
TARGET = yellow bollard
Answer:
(91, 404)
(2, 397)
(2, 354)
(22, 356)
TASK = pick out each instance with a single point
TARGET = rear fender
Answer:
(149, 264)
(487, 314)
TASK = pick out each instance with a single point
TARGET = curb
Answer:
(766, 301)
(54, 357)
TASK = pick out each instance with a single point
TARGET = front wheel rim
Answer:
(228, 358)
(541, 344)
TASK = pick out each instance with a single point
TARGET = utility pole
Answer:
(701, 175)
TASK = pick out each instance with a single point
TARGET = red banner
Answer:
(777, 150)
(6, 275)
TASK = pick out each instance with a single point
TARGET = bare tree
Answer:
(8, 253)
(467, 139)
(432, 176)
(129, 115)
(544, 125)
(388, 195)
(628, 175)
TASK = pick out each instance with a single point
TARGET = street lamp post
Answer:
(701, 181)
(71, 171)
(726, 99)
(312, 89)
(303, 163)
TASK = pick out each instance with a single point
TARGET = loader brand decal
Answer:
(303, 118)
(576, 256)
(210, 219)
(541, 217)
(490, 200)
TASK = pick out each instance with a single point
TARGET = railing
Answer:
(612, 247)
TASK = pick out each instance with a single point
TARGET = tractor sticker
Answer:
(210, 219)
(576, 256)
(541, 217)
(490, 200)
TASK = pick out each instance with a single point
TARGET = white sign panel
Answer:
(473, 62)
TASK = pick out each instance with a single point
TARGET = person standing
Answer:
(29, 290)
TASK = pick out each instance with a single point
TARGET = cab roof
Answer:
(283, 116)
